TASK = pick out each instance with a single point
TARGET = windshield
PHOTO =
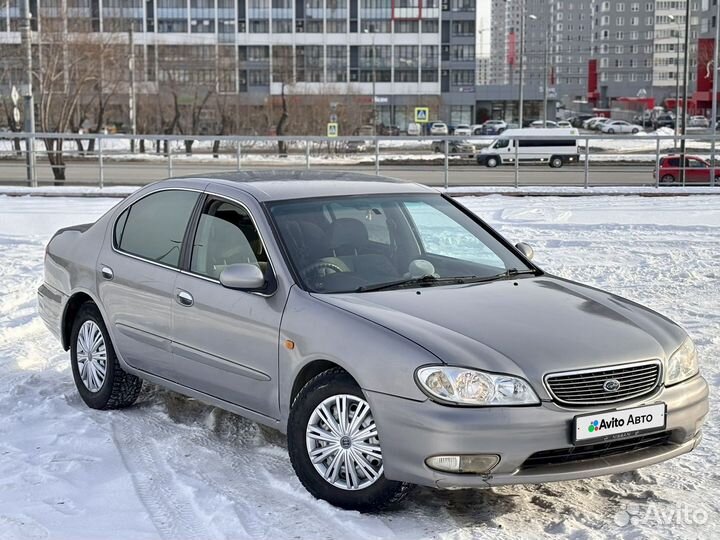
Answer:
(350, 244)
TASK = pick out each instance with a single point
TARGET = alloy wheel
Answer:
(342, 442)
(91, 356)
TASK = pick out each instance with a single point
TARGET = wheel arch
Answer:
(72, 307)
(313, 369)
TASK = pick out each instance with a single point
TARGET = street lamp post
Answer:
(28, 103)
(521, 82)
(686, 66)
(371, 30)
(713, 118)
(677, 80)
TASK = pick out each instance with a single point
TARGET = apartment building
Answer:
(393, 55)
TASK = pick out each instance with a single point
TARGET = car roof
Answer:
(283, 184)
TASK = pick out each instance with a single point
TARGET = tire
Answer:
(115, 388)
(635, 131)
(371, 492)
(556, 162)
(611, 131)
(492, 162)
(668, 179)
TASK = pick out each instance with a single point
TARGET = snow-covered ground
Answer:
(173, 468)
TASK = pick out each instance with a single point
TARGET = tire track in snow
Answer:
(257, 481)
(171, 512)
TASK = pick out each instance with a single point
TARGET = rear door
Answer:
(137, 269)
(225, 341)
(697, 171)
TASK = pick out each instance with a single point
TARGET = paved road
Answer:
(465, 174)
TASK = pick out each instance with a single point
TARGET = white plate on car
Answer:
(619, 423)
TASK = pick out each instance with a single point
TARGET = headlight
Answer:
(472, 387)
(683, 363)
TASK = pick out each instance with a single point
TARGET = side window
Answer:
(153, 228)
(225, 235)
(502, 143)
(442, 235)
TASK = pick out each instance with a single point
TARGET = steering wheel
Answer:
(313, 270)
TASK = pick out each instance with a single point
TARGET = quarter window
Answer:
(225, 235)
(153, 228)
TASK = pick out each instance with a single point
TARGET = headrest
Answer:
(348, 232)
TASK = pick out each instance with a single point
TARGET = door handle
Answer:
(184, 298)
(107, 272)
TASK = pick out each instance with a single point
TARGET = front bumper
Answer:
(411, 431)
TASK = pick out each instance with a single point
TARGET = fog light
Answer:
(472, 464)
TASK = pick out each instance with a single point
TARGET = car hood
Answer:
(527, 327)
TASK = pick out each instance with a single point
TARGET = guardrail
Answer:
(448, 161)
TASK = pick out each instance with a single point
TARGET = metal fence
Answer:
(601, 159)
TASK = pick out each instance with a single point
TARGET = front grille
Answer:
(598, 450)
(587, 387)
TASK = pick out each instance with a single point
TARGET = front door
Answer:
(226, 341)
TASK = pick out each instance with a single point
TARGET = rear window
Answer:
(153, 228)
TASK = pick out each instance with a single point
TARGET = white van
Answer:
(556, 146)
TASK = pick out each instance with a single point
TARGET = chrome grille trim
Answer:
(585, 386)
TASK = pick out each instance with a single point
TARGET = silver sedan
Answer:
(393, 336)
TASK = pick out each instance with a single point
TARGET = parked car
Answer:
(491, 127)
(455, 148)
(619, 126)
(390, 332)
(414, 130)
(664, 120)
(698, 122)
(462, 129)
(543, 124)
(578, 120)
(564, 124)
(554, 146)
(598, 124)
(697, 170)
(392, 131)
(588, 124)
(438, 128)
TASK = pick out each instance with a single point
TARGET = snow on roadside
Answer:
(171, 467)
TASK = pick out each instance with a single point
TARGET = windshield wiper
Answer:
(431, 280)
(512, 272)
(425, 280)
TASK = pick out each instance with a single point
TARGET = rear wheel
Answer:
(101, 382)
(556, 162)
(334, 445)
(492, 162)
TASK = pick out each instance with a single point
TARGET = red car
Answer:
(697, 170)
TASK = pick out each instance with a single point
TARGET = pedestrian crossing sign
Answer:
(332, 129)
(422, 115)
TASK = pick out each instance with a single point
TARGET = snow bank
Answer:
(173, 468)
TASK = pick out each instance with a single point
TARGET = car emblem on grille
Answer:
(611, 385)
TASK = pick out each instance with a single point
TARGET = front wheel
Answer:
(635, 131)
(101, 382)
(492, 162)
(668, 179)
(335, 448)
(611, 131)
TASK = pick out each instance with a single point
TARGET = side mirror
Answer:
(525, 249)
(243, 277)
